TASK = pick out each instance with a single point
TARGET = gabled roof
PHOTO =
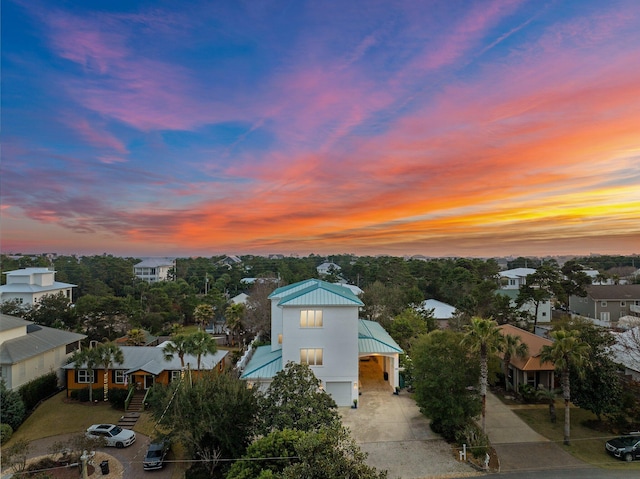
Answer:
(517, 272)
(315, 292)
(151, 360)
(37, 340)
(155, 263)
(264, 364)
(440, 310)
(11, 322)
(373, 339)
(612, 292)
(535, 343)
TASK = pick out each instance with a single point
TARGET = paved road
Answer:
(578, 473)
(123, 463)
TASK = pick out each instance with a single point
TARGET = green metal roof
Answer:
(263, 364)
(315, 292)
(373, 339)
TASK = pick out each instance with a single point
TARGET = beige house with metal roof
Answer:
(28, 351)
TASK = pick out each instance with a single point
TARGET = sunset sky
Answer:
(465, 128)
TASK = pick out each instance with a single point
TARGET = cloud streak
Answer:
(506, 126)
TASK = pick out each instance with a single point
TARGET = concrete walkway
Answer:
(519, 447)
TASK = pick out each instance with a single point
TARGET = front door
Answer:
(148, 381)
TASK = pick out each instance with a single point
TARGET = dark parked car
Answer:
(624, 447)
(157, 451)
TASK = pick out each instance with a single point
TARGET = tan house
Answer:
(529, 369)
(28, 350)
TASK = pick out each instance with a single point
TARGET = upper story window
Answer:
(603, 304)
(311, 318)
(311, 356)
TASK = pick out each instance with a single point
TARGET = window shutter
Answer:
(76, 375)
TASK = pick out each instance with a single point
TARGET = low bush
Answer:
(36, 390)
(82, 395)
(6, 431)
(117, 397)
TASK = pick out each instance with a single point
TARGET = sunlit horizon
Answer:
(477, 129)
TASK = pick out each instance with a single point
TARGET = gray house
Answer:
(608, 303)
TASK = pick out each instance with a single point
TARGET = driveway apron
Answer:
(519, 447)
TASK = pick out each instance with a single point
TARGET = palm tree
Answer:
(89, 359)
(108, 354)
(179, 346)
(136, 337)
(549, 395)
(233, 317)
(513, 346)
(201, 343)
(202, 314)
(483, 336)
(567, 352)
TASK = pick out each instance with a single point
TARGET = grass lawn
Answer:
(586, 444)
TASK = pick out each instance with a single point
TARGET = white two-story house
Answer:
(28, 285)
(153, 270)
(316, 323)
(512, 280)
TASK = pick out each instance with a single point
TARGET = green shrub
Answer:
(476, 440)
(117, 397)
(528, 393)
(6, 431)
(12, 409)
(82, 395)
(38, 389)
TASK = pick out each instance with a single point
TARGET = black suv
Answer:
(624, 447)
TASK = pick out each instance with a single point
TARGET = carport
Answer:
(378, 355)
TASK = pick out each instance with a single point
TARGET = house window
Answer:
(603, 304)
(623, 304)
(311, 318)
(311, 356)
(85, 376)
(119, 376)
(175, 375)
(279, 338)
(605, 316)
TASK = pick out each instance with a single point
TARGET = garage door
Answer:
(340, 392)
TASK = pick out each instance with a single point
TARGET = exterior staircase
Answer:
(133, 411)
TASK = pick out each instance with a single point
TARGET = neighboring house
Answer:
(149, 340)
(544, 308)
(442, 312)
(354, 289)
(529, 370)
(28, 285)
(607, 303)
(229, 260)
(514, 278)
(28, 351)
(142, 367)
(239, 299)
(153, 270)
(626, 352)
(327, 268)
(316, 323)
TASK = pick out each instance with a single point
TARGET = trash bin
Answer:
(104, 467)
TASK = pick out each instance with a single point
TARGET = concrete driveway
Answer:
(519, 447)
(396, 436)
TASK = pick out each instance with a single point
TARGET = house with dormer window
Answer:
(28, 285)
(316, 323)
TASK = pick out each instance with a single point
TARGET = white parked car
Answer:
(113, 435)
